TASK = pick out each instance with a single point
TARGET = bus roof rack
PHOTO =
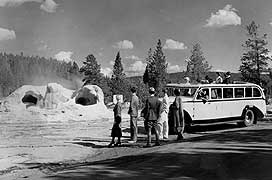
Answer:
(240, 82)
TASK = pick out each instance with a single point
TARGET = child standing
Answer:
(116, 130)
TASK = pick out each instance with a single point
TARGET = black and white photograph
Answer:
(136, 89)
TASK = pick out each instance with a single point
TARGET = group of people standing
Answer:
(155, 113)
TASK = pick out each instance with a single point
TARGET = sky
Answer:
(72, 29)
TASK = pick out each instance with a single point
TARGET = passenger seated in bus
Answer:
(187, 92)
(227, 79)
(218, 79)
(187, 80)
(203, 95)
(214, 94)
(208, 79)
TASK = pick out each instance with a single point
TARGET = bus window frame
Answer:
(199, 90)
(250, 87)
(217, 96)
(243, 97)
(232, 92)
(259, 90)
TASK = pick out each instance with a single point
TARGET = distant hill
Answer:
(178, 77)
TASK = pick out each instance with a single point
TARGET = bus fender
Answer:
(187, 118)
(256, 111)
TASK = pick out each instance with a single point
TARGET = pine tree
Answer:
(156, 70)
(149, 74)
(7, 80)
(91, 71)
(197, 65)
(119, 85)
(105, 85)
(161, 67)
(254, 60)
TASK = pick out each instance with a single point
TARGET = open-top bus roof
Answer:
(183, 85)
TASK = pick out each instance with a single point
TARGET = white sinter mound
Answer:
(56, 103)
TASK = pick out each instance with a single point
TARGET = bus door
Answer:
(205, 105)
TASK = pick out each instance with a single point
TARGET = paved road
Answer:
(215, 152)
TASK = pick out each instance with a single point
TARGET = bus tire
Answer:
(249, 118)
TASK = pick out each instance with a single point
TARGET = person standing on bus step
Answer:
(152, 114)
(227, 79)
(178, 115)
(133, 112)
(219, 79)
(116, 130)
(163, 120)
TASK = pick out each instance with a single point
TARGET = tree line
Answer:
(254, 66)
(16, 70)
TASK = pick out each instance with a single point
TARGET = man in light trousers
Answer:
(133, 112)
(163, 121)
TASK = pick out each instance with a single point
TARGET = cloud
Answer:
(11, 3)
(42, 46)
(133, 57)
(174, 68)
(224, 17)
(6, 34)
(47, 5)
(106, 71)
(174, 45)
(137, 66)
(112, 63)
(125, 44)
(64, 56)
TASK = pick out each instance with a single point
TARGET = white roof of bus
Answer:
(210, 85)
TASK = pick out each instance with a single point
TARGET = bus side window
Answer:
(248, 92)
(239, 92)
(227, 92)
(216, 93)
(203, 93)
(256, 92)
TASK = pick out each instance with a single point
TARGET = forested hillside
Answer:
(18, 70)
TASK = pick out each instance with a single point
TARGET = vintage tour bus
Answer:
(205, 104)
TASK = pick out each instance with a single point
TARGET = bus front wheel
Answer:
(249, 118)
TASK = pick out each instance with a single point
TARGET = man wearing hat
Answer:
(151, 115)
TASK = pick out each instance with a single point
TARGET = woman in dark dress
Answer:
(178, 115)
(116, 130)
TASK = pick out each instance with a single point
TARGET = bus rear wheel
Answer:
(249, 118)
